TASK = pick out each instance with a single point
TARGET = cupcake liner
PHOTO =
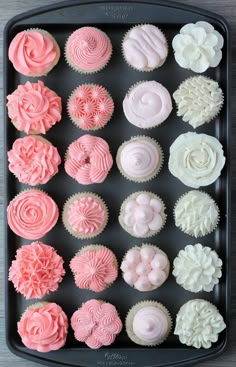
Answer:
(79, 196)
(132, 312)
(151, 176)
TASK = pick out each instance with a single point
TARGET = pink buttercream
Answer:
(88, 160)
(94, 269)
(43, 327)
(88, 49)
(33, 53)
(37, 270)
(33, 160)
(147, 104)
(32, 214)
(96, 323)
(34, 108)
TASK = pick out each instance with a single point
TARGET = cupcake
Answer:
(197, 268)
(34, 52)
(96, 323)
(142, 214)
(85, 215)
(145, 268)
(37, 270)
(198, 324)
(140, 159)
(198, 47)
(88, 50)
(148, 323)
(196, 159)
(196, 213)
(33, 160)
(147, 104)
(90, 107)
(199, 100)
(32, 214)
(43, 327)
(34, 108)
(94, 267)
(88, 160)
(145, 47)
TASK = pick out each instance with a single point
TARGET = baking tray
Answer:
(115, 18)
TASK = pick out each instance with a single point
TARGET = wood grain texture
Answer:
(227, 9)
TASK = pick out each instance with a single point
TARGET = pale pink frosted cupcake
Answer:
(33, 160)
(90, 107)
(43, 327)
(34, 108)
(88, 160)
(94, 267)
(96, 323)
(88, 50)
(37, 270)
(34, 52)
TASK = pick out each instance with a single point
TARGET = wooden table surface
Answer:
(226, 8)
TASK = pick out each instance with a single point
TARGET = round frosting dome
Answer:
(147, 104)
(198, 47)
(198, 324)
(199, 100)
(196, 213)
(88, 50)
(197, 268)
(140, 159)
(145, 47)
(196, 159)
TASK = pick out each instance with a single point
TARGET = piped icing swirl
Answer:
(32, 214)
(147, 104)
(34, 108)
(196, 159)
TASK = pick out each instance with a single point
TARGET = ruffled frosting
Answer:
(32, 214)
(199, 100)
(94, 268)
(197, 268)
(145, 47)
(34, 108)
(88, 49)
(147, 104)
(88, 160)
(33, 160)
(196, 159)
(33, 52)
(198, 47)
(90, 106)
(145, 268)
(198, 324)
(43, 327)
(37, 270)
(96, 323)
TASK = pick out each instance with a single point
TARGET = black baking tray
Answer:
(115, 18)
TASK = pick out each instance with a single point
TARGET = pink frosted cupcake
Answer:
(34, 52)
(32, 214)
(90, 107)
(33, 160)
(88, 160)
(88, 50)
(43, 327)
(34, 108)
(96, 323)
(37, 270)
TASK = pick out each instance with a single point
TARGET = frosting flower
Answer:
(198, 47)
(96, 323)
(43, 327)
(37, 270)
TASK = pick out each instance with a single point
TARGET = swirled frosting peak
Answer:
(196, 159)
